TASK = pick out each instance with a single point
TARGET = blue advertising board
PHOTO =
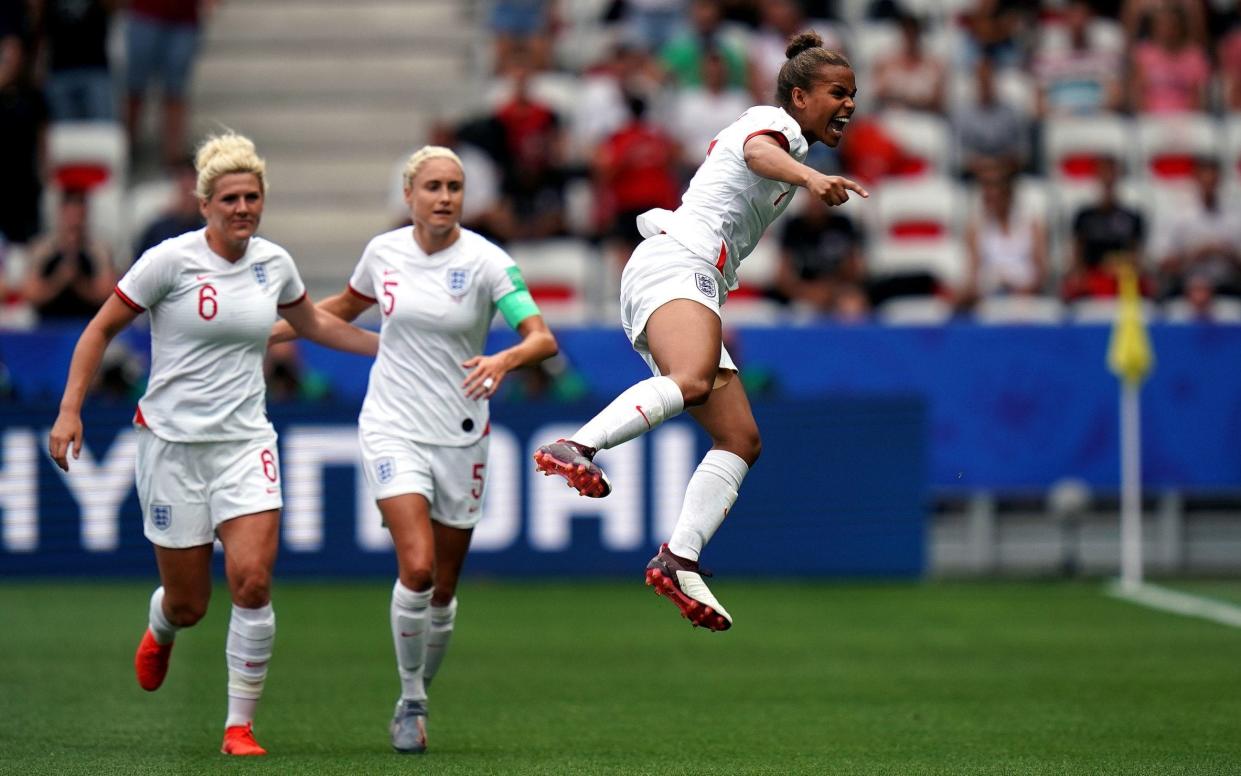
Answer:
(840, 490)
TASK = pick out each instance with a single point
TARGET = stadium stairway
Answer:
(334, 95)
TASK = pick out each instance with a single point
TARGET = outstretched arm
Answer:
(766, 157)
(345, 305)
(537, 343)
(66, 434)
(317, 325)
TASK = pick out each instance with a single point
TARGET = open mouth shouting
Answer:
(836, 127)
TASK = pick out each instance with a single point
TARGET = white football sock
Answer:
(410, 621)
(163, 630)
(640, 408)
(251, 633)
(711, 493)
(442, 619)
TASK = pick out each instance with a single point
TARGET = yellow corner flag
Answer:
(1129, 353)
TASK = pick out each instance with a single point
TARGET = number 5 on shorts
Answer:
(476, 492)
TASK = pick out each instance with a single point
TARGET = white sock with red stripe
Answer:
(639, 409)
(251, 634)
(163, 630)
(711, 493)
(410, 623)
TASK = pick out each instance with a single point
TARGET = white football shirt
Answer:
(728, 206)
(436, 310)
(210, 320)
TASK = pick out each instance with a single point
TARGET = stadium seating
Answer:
(91, 156)
(559, 274)
(917, 229)
(925, 141)
(1073, 145)
(1167, 145)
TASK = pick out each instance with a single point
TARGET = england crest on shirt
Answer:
(458, 281)
(705, 284)
(161, 516)
(385, 469)
(260, 274)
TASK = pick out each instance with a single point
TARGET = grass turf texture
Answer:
(586, 678)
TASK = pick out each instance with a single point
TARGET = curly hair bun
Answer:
(802, 41)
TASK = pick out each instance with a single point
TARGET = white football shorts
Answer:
(187, 489)
(660, 270)
(451, 478)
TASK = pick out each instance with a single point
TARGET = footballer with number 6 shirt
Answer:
(206, 465)
(424, 423)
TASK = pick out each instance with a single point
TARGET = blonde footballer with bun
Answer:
(207, 464)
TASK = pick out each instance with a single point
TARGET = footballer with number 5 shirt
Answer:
(673, 288)
(206, 463)
(424, 423)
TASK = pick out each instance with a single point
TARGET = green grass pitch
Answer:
(589, 677)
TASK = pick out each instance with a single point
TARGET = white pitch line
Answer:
(1183, 604)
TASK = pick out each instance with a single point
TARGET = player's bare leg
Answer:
(408, 517)
(451, 545)
(179, 602)
(690, 333)
(250, 545)
(726, 415)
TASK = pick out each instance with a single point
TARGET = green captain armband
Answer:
(517, 305)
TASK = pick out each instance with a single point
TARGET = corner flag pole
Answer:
(1130, 359)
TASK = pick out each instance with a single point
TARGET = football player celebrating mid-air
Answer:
(671, 293)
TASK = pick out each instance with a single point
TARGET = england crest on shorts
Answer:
(385, 469)
(705, 284)
(161, 516)
(458, 281)
(260, 274)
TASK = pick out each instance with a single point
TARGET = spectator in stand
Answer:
(1081, 77)
(599, 105)
(1203, 243)
(69, 275)
(821, 264)
(1135, 15)
(521, 29)
(682, 55)
(161, 40)
(910, 78)
(635, 170)
(994, 31)
(990, 129)
(78, 82)
(1170, 72)
(23, 120)
(532, 182)
(779, 20)
(1104, 235)
(650, 23)
(698, 113)
(183, 214)
(288, 379)
(1006, 244)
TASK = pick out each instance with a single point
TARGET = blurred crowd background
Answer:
(1017, 152)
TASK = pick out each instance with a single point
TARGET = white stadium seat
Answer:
(1072, 145)
(925, 138)
(917, 229)
(1167, 145)
(561, 275)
